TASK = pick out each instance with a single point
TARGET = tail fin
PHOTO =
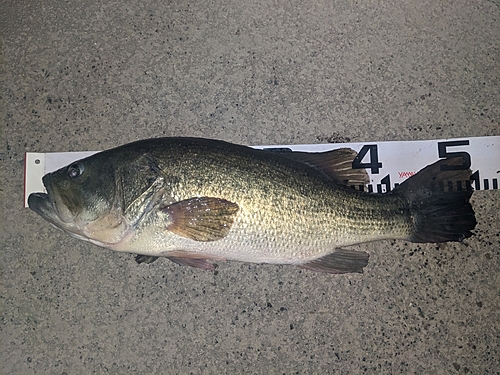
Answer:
(439, 202)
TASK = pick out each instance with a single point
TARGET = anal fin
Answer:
(196, 260)
(341, 261)
(201, 263)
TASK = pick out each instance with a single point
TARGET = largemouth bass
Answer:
(196, 200)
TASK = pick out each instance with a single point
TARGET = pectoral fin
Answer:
(202, 219)
(341, 261)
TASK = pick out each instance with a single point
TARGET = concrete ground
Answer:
(89, 75)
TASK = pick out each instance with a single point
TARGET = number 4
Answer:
(374, 164)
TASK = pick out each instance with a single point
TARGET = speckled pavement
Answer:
(90, 75)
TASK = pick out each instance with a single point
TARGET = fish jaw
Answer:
(44, 205)
(107, 231)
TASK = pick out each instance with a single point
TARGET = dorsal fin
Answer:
(336, 164)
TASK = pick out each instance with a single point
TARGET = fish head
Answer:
(99, 198)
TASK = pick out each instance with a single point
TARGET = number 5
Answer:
(443, 153)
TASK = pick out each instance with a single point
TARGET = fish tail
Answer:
(438, 197)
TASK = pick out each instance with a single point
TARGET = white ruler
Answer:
(387, 163)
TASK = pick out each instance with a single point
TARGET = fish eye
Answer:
(76, 169)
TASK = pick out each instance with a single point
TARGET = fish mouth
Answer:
(52, 205)
(46, 205)
(40, 203)
(43, 205)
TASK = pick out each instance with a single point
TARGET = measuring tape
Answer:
(387, 163)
